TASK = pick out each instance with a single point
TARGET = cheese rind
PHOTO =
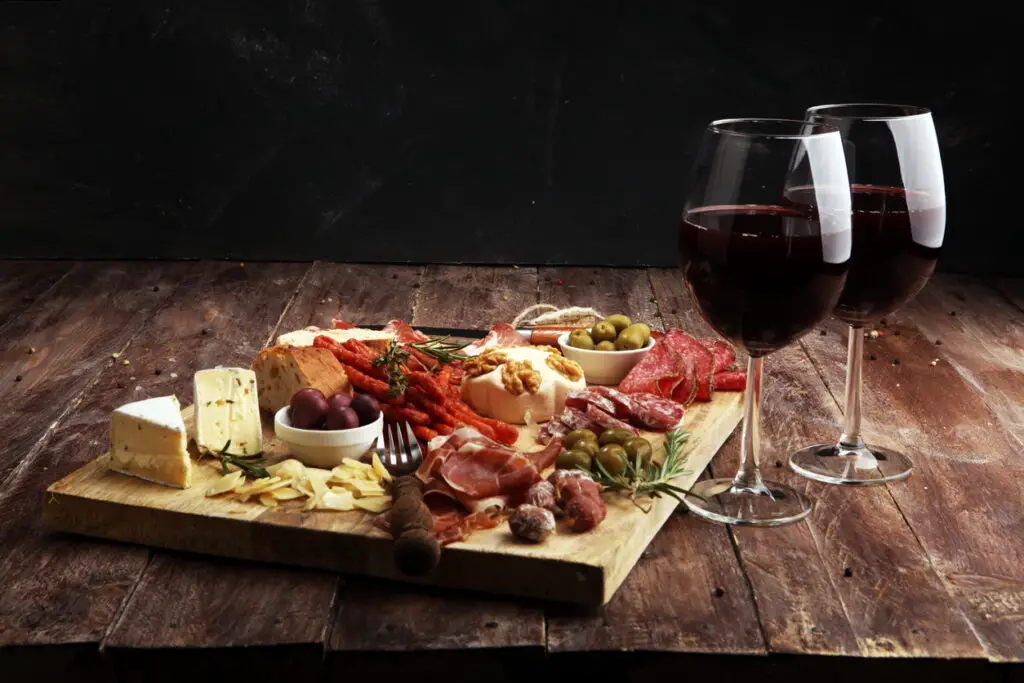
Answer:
(283, 370)
(304, 337)
(227, 411)
(487, 393)
(147, 440)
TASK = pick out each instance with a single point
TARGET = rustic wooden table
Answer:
(886, 581)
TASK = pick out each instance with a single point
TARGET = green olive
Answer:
(619, 321)
(617, 436)
(629, 341)
(606, 346)
(639, 329)
(613, 458)
(574, 437)
(604, 331)
(581, 339)
(588, 446)
(570, 460)
(638, 447)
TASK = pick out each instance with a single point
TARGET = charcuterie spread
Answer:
(512, 437)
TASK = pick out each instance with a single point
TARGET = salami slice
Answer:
(724, 353)
(574, 419)
(665, 372)
(581, 398)
(623, 405)
(731, 380)
(655, 412)
(607, 421)
(550, 430)
(704, 361)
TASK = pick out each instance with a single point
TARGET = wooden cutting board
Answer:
(584, 568)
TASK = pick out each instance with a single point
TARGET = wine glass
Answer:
(899, 220)
(764, 245)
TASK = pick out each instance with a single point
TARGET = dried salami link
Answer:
(656, 412)
(407, 414)
(425, 433)
(370, 385)
(442, 428)
(435, 410)
(429, 385)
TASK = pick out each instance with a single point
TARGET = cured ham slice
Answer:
(501, 334)
(404, 334)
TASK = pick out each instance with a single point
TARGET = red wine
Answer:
(895, 248)
(762, 276)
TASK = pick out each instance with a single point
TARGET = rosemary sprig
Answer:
(441, 350)
(651, 480)
(251, 465)
(393, 359)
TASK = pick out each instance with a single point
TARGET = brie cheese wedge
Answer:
(148, 441)
(227, 411)
(374, 338)
(509, 383)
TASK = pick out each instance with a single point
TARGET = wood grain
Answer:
(1010, 287)
(651, 611)
(963, 500)
(807, 599)
(360, 294)
(48, 359)
(608, 290)
(66, 589)
(22, 282)
(473, 297)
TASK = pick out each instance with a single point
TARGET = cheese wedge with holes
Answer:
(283, 370)
(227, 411)
(148, 441)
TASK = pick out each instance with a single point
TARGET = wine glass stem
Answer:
(749, 475)
(850, 438)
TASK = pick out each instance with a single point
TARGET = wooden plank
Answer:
(963, 499)
(63, 589)
(1010, 287)
(608, 290)
(473, 296)
(705, 606)
(22, 282)
(360, 294)
(807, 600)
(49, 359)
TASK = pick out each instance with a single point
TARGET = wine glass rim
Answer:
(896, 111)
(807, 129)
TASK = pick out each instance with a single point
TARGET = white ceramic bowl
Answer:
(327, 448)
(603, 367)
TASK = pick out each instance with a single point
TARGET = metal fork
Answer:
(400, 456)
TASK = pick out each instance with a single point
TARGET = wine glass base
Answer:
(773, 505)
(830, 464)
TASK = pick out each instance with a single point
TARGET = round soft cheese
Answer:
(507, 383)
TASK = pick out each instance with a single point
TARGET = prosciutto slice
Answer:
(404, 334)
(501, 334)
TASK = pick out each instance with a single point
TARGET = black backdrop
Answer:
(539, 131)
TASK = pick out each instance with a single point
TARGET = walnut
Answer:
(482, 364)
(519, 375)
(549, 349)
(569, 369)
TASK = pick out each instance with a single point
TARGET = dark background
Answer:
(476, 131)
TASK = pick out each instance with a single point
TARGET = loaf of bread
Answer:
(283, 370)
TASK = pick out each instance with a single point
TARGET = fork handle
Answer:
(416, 550)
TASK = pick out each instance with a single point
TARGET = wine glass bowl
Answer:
(764, 245)
(898, 221)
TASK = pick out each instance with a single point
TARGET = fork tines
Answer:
(402, 453)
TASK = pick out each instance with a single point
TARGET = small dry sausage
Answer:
(532, 523)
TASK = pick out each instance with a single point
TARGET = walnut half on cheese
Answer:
(506, 383)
